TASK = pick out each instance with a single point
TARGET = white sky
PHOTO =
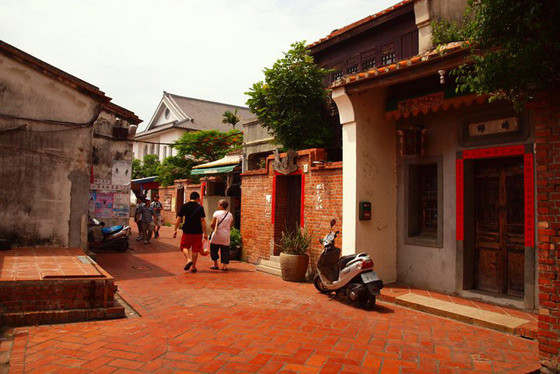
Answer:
(133, 50)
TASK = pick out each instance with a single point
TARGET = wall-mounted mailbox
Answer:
(365, 211)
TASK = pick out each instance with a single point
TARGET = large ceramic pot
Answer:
(293, 267)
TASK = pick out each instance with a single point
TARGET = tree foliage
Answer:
(175, 167)
(231, 117)
(206, 146)
(513, 45)
(291, 102)
(149, 167)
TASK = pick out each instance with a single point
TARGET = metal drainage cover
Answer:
(141, 268)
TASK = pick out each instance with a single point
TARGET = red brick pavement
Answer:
(244, 321)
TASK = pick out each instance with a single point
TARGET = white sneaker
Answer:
(145, 242)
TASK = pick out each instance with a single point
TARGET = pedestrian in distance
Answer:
(221, 224)
(158, 221)
(139, 203)
(191, 214)
(146, 216)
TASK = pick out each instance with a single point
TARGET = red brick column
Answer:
(546, 116)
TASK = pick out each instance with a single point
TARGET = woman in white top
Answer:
(221, 224)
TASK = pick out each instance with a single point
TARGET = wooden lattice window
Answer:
(388, 55)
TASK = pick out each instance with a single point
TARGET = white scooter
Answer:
(352, 275)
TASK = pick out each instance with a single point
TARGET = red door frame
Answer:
(297, 172)
(528, 185)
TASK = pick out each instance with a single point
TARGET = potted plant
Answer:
(294, 259)
(235, 244)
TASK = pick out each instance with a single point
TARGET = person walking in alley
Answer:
(146, 216)
(194, 230)
(158, 220)
(139, 203)
(221, 224)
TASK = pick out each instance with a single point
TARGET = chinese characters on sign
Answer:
(421, 103)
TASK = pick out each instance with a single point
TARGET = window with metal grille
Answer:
(336, 75)
(352, 69)
(369, 64)
(423, 206)
(428, 217)
(388, 55)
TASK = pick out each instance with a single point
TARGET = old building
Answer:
(64, 155)
(176, 115)
(462, 190)
(47, 124)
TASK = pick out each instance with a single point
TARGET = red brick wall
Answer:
(322, 202)
(546, 115)
(170, 216)
(22, 296)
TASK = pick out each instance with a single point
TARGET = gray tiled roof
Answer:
(208, 115)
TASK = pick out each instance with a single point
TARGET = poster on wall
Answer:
(121, 172)
(167, 202)
(121, 205)
(104, 205)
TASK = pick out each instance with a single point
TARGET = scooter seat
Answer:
(345, 260)
(111, 230)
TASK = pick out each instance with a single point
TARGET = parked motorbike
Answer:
(352, 276)
(103, 239)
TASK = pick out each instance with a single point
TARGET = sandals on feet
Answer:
(214, 268)
(188, 266)
(194, 270)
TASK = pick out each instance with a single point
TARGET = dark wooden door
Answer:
(499, 226)
(293, 203)
(180, 199)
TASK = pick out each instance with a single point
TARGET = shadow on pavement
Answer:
(127, 266)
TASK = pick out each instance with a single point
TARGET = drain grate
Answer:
(142, 267)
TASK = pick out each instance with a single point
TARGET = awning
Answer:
(215, 170)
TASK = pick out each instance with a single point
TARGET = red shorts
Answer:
(193, 241)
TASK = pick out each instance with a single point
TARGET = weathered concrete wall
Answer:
(106, 150)
(44, 167)
(448, 9)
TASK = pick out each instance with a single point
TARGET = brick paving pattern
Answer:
(244, 321)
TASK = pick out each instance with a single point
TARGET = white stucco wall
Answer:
(369, 174)
(169, 136)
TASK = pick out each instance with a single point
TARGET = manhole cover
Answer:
(141, 267)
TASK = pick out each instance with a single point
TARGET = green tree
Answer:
(210, 145)
(513, 47)
(175, 167)
(231, 117)
(147, 168)
(137, 171)
(150, 166)
(291, 102)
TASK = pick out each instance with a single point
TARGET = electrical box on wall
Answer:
(365, 211)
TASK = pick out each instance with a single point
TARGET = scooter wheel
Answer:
(122, 246)
(367, 301)
(319, 285)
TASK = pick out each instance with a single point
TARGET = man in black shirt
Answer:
(194, 229)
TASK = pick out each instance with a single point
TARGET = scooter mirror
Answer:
(333, 222)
